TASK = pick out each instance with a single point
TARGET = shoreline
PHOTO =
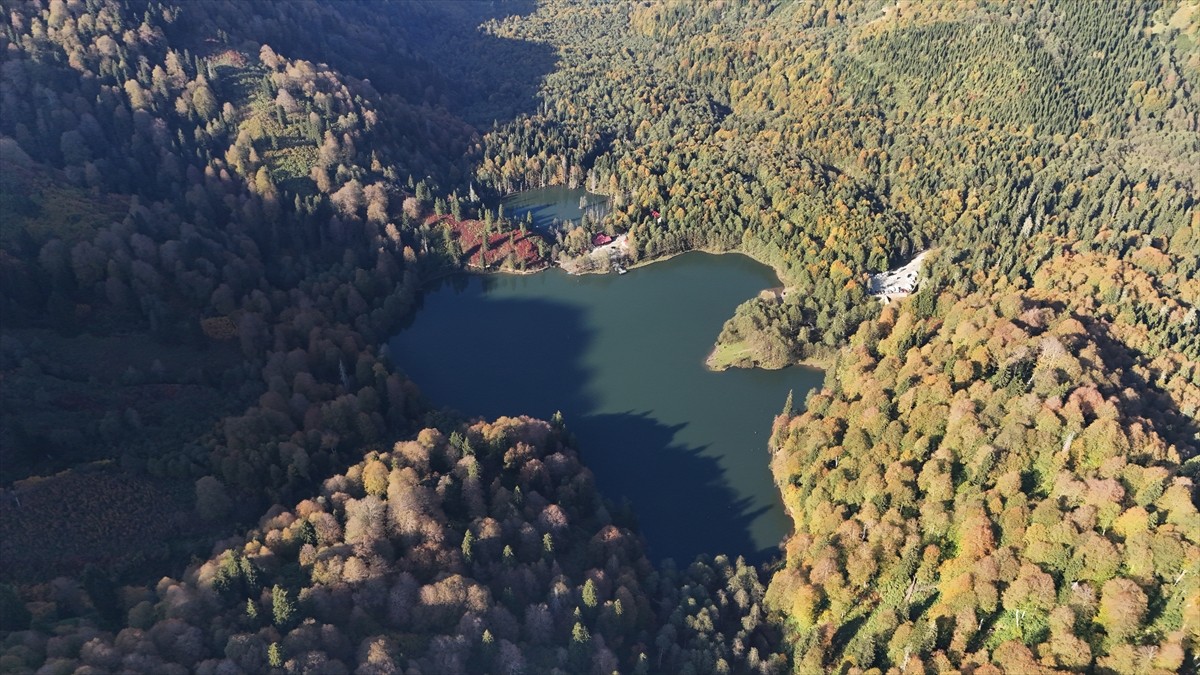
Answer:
(474, 271)
(778, 272)
(821, 362)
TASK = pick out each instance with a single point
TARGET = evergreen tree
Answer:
(589, 594)
(14, 616)
(468, 546)
(282, 607)
(103, 593)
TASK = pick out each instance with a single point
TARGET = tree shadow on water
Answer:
(488, 355)
(682, 499)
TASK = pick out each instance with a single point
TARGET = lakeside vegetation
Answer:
(213, 212)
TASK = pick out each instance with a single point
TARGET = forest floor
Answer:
(513, 251)
(72, 399)
(40, 203)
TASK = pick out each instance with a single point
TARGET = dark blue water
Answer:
(623, 358)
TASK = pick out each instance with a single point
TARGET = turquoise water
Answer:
(623, 358)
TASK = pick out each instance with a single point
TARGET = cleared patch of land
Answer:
(730, 355)
(97, 514)
(897, 283)
(600, 259)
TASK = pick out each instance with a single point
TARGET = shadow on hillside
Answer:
(683, 501)
(427, 52)
(1155, 403)
(482, 78)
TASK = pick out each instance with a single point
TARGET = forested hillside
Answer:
(487, 551)
(212, 213)
(203, 242)
(991, 479)
(166, 202)
(842, 145)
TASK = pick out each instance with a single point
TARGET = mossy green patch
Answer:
(39, 206)
(730, 355)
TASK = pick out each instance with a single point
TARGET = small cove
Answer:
(554, 207)
(623, 358)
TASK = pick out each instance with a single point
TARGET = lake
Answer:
(554, 206)
(623, 358)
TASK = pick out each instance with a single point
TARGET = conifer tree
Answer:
(283, 610)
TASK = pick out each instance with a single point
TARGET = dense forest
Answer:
(984, 480)
(485, 551)
(212, 213)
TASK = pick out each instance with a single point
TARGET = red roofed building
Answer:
(601, 239)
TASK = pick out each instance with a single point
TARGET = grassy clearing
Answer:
(285, 144)
(730, 355)
(290, 168)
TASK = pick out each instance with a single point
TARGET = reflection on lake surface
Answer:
(623, 359)
(554, 206)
